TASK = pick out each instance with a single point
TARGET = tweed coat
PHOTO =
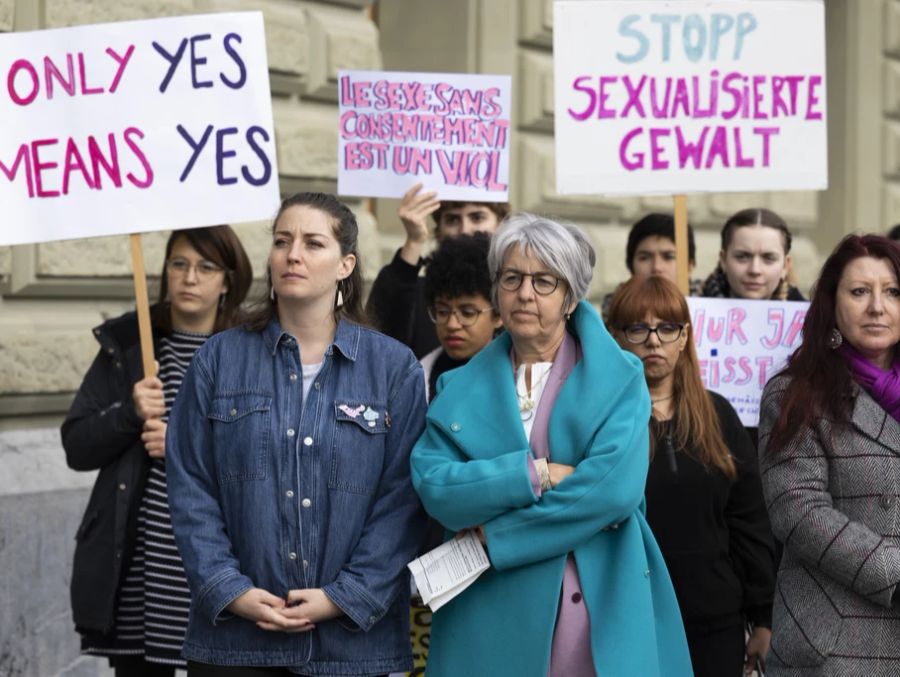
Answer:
(470, 468)
(832, 495)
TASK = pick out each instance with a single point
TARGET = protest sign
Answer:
(448, 131)
(741, 344)
(687, 97)
(135, 126)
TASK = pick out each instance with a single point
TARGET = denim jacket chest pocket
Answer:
(357, 450)
(240, 429)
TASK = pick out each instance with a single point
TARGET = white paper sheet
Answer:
(446, 571)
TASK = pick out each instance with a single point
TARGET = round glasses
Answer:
(543, 284)
(466, 315)
(205, 269)
(666, 332)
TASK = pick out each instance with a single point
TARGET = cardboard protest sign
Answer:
(685, 97)
(741, 344)
(448, 131)
(135, 126)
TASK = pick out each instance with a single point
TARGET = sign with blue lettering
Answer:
(688, 97)
(134, 127)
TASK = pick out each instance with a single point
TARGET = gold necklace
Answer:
(526, 402)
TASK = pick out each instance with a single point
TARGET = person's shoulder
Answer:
(384, 347)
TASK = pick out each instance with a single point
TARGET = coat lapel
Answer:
(874, 422)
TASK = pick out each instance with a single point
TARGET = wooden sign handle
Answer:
(681, 244)
(143, 306)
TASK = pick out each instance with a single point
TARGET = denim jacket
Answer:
(270, 491)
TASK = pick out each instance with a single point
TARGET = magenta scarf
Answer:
(883, 386)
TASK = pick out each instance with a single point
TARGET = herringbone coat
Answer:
(833, 495)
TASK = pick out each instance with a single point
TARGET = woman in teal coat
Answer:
(540, 445)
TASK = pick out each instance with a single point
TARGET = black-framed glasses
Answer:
(543, 284)
(465, 315)
(666, 332)
(181, 266)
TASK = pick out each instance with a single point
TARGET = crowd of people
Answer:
(259, 498)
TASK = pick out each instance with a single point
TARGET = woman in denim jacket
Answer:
(289, 471)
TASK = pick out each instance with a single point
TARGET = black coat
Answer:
(102, 432)
(714, 532)
(397, 306)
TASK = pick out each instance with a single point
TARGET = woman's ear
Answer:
(348, 264)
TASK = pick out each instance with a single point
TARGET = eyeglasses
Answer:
(666, 332)
(205, 269)
(543, 284)
(466, 315)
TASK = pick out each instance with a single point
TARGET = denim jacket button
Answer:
(292, 555)
(306, 503)
(289, 493)
(293, 376)
(290, 432)
(308, 441)
(233, 412)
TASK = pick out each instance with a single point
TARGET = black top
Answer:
(714, 533)
(397, 306)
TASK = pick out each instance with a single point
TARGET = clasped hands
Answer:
(298, 613)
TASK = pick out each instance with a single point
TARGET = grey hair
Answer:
(563, 247)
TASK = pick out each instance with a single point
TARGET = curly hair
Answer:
(459, 268)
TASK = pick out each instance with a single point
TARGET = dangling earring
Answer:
(835, 339)
(340, 297)
(221, 300)
(272, 293)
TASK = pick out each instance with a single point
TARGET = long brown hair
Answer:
(697, 425)
(222, 246)
(346, 232)
(821, 385)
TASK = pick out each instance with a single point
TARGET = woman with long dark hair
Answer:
(290, 478)
(130, 599)
(704, 499)
(830, 462)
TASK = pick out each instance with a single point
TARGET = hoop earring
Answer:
(835, 339)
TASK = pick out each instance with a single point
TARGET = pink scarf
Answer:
(883, 386)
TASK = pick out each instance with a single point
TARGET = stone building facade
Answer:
(52, 294)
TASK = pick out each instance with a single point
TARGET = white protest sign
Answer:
(741, 344)
(449, 131)
(689, 96)
(135, 126)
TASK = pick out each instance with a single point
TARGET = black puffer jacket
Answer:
(102, 432)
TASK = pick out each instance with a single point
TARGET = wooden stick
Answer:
(143, 305)
(681, 244)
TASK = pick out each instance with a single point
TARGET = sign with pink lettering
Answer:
(689, 96)
(449, 131)
(134, 127)
(741, 344)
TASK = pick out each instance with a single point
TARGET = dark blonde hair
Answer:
(697, 425)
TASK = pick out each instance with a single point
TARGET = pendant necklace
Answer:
(527, 405)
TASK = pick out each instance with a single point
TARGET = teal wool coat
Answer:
(470, 469)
